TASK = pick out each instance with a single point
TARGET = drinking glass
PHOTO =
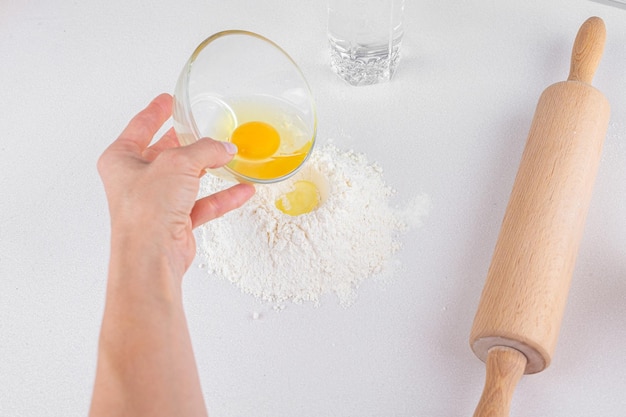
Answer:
(365, 38)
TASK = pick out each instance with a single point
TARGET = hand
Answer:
(145, 358)
(152, 190)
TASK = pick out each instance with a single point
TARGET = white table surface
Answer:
(452, 124)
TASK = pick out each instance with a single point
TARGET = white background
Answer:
(452, 124)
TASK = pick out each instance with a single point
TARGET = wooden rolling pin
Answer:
(519, 315)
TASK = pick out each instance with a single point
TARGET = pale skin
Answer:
(146, 365)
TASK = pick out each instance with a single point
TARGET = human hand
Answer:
(152, 189)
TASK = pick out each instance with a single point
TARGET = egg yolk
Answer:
(304, 198)
(255, 140)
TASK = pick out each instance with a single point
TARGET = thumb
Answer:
(220, 203)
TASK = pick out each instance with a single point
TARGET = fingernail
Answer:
(230, 147)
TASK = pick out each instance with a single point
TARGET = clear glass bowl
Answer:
(237, 78)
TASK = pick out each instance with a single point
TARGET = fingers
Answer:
(218, 204)
(169, 140)
(205, 153)
(145, 124)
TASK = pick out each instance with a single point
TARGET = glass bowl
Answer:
(240, 87)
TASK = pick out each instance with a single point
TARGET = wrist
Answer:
(142, 264)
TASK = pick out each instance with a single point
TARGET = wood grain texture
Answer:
(587, 51)
(525, 293)
(521, 307)
(505, 367)
(524, 296)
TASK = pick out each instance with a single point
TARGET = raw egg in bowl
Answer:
(240, 87)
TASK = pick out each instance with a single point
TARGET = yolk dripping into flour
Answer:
(256, 140)
(302, 199)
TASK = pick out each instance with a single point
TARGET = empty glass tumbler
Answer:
(365, 38)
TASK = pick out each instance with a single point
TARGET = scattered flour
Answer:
(350, 237)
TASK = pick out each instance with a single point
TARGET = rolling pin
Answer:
(517, 322)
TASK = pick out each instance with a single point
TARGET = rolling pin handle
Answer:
(587, 50)
(505, 367)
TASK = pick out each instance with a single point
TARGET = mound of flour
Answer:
(350, 237)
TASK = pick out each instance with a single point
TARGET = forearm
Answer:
(145, 362)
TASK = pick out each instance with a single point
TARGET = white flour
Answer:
(350, 237)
